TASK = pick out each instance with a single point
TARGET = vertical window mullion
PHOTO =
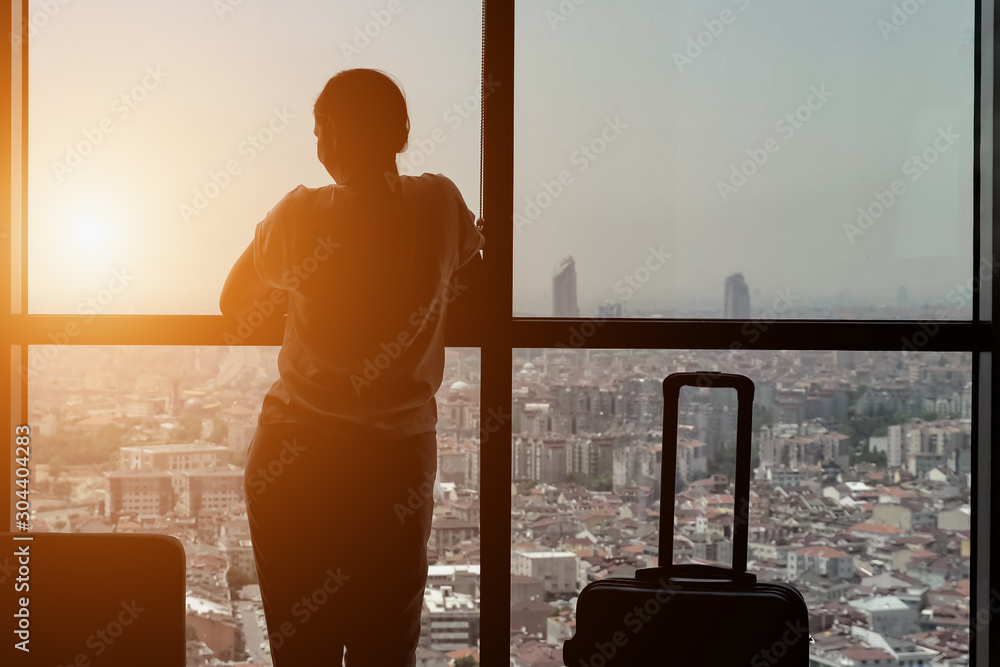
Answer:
(989, 385)
(495, 424)
(6, 248)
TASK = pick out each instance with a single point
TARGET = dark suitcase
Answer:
(681, 615)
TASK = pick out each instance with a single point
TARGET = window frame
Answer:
(501, 332)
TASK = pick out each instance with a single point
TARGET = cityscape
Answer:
(740, 302)
(861, 494)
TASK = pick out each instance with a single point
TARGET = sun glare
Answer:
(90, 233)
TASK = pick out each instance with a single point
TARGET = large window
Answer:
(666, 186)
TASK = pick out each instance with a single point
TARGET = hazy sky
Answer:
(675, 120)
(691, 115)
(222, 73)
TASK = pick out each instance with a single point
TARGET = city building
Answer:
(448, 531)
(737, 304)
(557, 570)
(450, 620)
(564, 289)
(887, 615)
(138, 493)
(240, 424)
(173, 457)
(609, 310)
(825, 561)
(206, 491)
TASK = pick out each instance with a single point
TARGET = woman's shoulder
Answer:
(305, 193)
(428, 180)
(440, 180)
(303, 197)
(435, 184)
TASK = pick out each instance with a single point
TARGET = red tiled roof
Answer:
(895, 491)
(876, 528)
(542, 655)
(958, 588)
(826, 552)
(463, 653)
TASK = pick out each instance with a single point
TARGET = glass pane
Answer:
(736, 158)
(155, 439)
(161, 133)
(860, 495)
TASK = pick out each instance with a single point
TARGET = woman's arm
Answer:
(243, 287)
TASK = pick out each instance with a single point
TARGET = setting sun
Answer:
(90, 232)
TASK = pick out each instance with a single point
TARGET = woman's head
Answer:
(361, 122)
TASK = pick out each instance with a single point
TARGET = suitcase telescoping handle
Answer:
(744, 426)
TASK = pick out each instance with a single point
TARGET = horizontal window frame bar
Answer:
(925, 335)
(157, 330)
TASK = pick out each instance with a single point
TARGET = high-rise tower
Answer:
(737, 298)
(564, 289)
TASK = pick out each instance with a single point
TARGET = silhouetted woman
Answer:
(340, 469)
